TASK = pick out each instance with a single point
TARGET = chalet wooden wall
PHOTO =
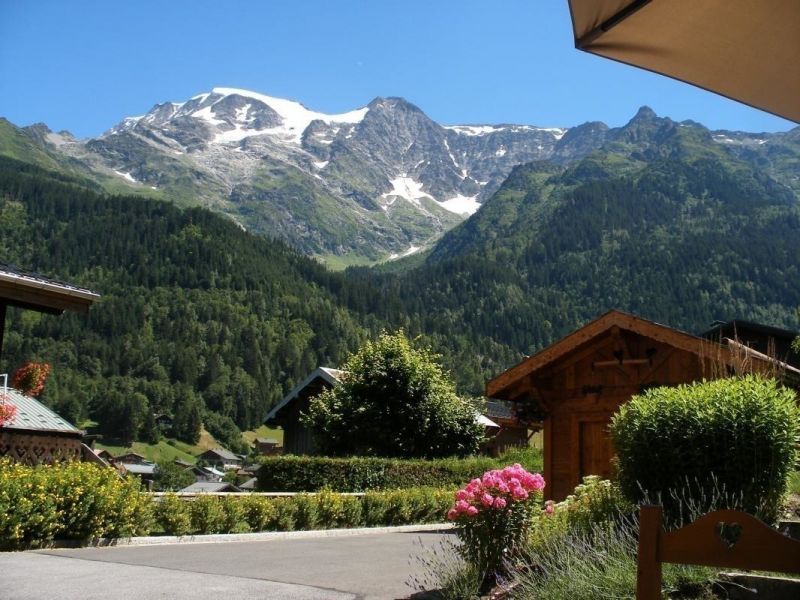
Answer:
(36, 448)
(583, 389)
(297, 438)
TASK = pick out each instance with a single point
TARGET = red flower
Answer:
(30, 377)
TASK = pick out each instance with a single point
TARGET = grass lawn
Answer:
(170, 449)
(263, 432)
(166, 449)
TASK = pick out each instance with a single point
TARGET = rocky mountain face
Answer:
(380, 181)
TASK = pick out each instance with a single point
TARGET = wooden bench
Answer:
(723, 538)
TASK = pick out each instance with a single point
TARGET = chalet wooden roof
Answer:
(330, 376)
(31, 290)
(615, 318)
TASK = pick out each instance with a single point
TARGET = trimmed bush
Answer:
(206, 514)
(361, 474)
(285, 518)
(172, 515)
(78, 501)
(233, 515)
(732, 438)
(259, 512)
(305, 512)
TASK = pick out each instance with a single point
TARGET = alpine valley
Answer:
(221, 315)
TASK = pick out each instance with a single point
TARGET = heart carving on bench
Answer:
(729, 533)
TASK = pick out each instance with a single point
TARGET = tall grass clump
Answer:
(736, 436)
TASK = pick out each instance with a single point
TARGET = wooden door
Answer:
(595, 449)
(592, 450)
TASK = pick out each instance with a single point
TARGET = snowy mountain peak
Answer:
(232, 114)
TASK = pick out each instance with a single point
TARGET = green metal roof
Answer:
(33, 415)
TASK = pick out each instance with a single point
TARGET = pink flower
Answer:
(499, 503)
(472, 511)
(514, 483)
(462, 506)
(519, 493)
(463, 495)
(452, 514)
(487, 499)
(549, 507)
(537, 482)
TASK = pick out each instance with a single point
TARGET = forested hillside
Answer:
(194, 312)
(681, 240)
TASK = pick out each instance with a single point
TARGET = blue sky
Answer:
(83, 65)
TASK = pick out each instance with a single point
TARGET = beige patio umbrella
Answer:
(747, 50)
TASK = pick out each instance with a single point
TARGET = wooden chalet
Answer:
(222, 458)
(574, 386)
(506, 431)
(297, 438)
(37, 435)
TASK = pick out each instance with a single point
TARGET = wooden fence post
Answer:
(648, 574)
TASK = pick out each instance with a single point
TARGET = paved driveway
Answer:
(369, 566)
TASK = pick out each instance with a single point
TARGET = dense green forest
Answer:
(195, 313)
(204, 321)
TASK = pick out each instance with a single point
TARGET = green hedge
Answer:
(326, 510)
(726, 442)
(77, 501)
(360, 474)
(80, 501)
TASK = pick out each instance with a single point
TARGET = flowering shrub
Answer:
(30, 377)
(594, 502)
(492, 515)
(7, 411)
(78, 501)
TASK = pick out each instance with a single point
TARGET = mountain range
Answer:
(381, 181)
(666, 220)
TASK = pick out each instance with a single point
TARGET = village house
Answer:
(36, 434)
(207, 487)
(222, 459)
(572, 388)
(297, 438)
(507, 431)
(267, 446)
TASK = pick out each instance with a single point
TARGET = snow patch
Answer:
(501, 151)
(453, 158)
(320, 164)
(241, 113)
(207, 115)
(411, 250)
(461, 205)
(294, 116)
(127, 176)
(407, 188)
(474, 130)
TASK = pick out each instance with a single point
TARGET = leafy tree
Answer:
(170, 477)
(394, 401)
(226, 432)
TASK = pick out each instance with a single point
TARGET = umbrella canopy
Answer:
(747, 50)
